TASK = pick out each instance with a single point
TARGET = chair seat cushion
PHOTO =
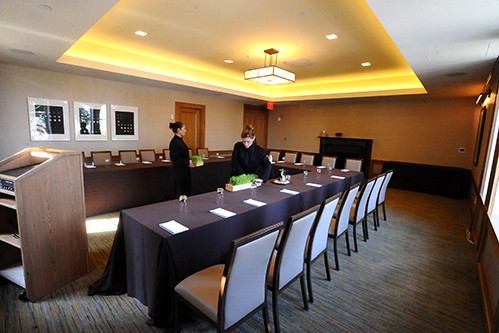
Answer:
(202, 289)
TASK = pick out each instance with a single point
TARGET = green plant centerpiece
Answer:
(241, 182)
(197, 160)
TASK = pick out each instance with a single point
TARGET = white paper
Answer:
(289, 192)
(254, 202)
(119, 164)
(313, 184)
(337, 177)
(146, 162)
(222, 212)
(90, 166)
(173, 227)
(345, 170)
(165, 161)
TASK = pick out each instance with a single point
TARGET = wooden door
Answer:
(193, 117)
(258, 117)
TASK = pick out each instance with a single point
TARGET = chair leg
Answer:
(347, 238)
(374, 220)
(178, 313)
(326, 264)
(364, 229)
(309, 282)
(265, 313)
(377, 215)
(356, 249)
(336, 253)
(303, 293)
(275, 311)
(384, 211)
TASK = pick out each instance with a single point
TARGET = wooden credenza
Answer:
(348, 147)
(43, 239)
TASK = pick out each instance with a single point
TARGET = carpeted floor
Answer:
(416, 274)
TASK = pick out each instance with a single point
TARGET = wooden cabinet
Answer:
(43, 240)
(343, 148)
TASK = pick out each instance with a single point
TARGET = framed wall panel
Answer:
(90, 121)
(48, 119)
(124, 122)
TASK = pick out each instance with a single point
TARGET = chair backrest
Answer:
(203, 152)
(101, 157)
(290, 257)
(290, 157)
(343, 216)
(148, 155)
(319, 233)
(384, 186)
(329, 160)
(245, 275)
(360, 207)
(128, 156)
(373, 197)
(307, 159)
(275, 155)
(166, 154)
(354, 164)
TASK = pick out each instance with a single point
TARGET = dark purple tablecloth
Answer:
(147, 262)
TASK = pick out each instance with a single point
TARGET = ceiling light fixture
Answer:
(331, 36)
(270, 74)
(365, 64)
(141, 33)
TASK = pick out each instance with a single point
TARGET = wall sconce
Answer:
(483, 96)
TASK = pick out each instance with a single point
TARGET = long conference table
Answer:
(147, 261)
(113, 188)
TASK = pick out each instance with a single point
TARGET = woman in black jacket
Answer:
(247, 156)
(181, 162)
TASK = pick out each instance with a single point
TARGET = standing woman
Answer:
(179, 155)
(247, 156)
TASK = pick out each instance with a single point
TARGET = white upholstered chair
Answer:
(229, 294)
(128, 156)
(354, 164)
(358, 211)
(317, 243)
(203, 152)
(372, 203)
(166, 154)
(275, 155)
(307, 159)
(382, 191)
(101, 157)
(329, 160)
(287, 263)
(339, 225)
(147, 155)
(290, 157)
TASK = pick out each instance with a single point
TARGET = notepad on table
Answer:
(313, 184)
(222, 212)
(345, 170)
(289, 191)
(173, 227)
(254, 202)
(337, 177)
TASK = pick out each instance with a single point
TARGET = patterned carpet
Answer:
(415, 274)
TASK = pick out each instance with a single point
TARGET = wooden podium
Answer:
(43, 239)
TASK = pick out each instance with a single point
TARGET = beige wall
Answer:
(411, 130)
(408, 130)
(155, 106)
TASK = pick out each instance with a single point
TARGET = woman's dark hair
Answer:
(248, 132)
(176, 125)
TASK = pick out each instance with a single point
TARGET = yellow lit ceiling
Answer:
(188, 41)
